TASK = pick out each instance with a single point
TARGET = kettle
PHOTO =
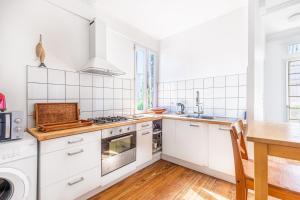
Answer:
(180, 108)
(2, 102)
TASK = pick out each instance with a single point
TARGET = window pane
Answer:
(140, 78)
(294, 114)
(294, 79)
(294, 49)
(151, 78)
(295, 102)
(294, 90)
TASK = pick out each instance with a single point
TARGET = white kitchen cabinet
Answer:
(192, 142)
(168, 137)
(220, 149)
(73, 187)
(58, 165)
(144, 145)
(69, 166)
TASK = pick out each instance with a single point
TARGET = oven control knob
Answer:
(111, 132)
(18, 120)
(120, 130)
(18, 129)
(128, 128)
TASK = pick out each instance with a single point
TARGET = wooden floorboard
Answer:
(164, 181)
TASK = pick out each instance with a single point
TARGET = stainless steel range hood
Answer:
(98, 63)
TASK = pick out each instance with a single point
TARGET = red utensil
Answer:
(2, 102)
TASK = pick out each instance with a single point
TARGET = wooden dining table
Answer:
(271, 139)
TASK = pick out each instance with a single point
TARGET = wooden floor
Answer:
(164, 180)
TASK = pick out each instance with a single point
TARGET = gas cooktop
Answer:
(104, 120)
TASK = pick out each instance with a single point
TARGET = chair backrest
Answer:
(241, 132)
(240, 177)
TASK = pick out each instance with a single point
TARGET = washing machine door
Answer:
(14, 185)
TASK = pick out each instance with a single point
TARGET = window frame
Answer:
(288, 105)
(148, 52)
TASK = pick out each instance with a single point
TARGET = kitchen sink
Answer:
(198, 116)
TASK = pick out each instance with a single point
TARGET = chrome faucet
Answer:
(198, 104)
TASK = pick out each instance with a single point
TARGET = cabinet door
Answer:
(144, 146)
(199, 143)
(220, 149)
(191, 142)
(168, 137)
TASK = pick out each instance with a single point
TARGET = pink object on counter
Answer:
(2, 102)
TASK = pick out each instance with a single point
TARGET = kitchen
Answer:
(142, 99)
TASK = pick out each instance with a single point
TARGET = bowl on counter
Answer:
(158, 110)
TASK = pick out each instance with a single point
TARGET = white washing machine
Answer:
(18, 169)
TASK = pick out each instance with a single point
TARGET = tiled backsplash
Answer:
(97, 95)
(222, 96)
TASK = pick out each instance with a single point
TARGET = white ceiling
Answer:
(278, 21)
(162, 18)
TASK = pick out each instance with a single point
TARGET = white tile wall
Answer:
(56, 76)
(72, 78)
(37, 75)
(56, 91)
(72, 92)
(97, 95)
(223, 96)
(86, 80)
(37, 91)
(97, 81)
(86, 92)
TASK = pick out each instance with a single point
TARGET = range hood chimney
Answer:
(98, 63)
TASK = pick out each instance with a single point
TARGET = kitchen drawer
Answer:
(144, 125)
(69, 141)
(71, 188)
(58, 165)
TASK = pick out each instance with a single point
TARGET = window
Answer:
(293, 84)
(145, 79)
(294, 48)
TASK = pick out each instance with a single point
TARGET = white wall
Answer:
(66, 40)
(217, 47)
(120, 51)
(275, 74)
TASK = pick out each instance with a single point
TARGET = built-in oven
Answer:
(118, 148)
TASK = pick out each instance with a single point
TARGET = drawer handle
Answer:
(74, 153)
(145, 125)
(194, 125)
(76, 181)
(75, 141)
(224, 129)
(146, 133)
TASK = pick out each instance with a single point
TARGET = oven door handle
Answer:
(118, 139)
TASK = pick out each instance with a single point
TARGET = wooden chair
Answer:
(283, 178)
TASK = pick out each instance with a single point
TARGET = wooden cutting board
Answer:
(47, 113)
